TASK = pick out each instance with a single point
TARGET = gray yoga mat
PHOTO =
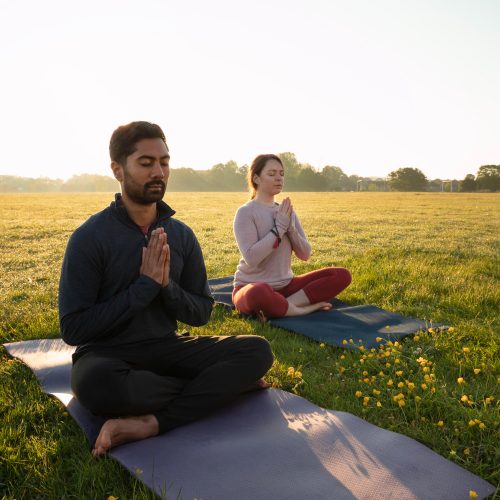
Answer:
(363, 323)
(267, 445)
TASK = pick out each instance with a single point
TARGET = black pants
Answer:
(178, 380)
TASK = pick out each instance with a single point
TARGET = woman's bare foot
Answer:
(118, 431)
(294, 310)
(258, 385)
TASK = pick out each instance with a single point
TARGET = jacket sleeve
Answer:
(300, 245)
(82, 318)
(253, 250)
(190, 300)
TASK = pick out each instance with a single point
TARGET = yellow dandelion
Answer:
(431, 330)
(373, 349)
(416, 338)
(460, 380)
(467, 451)
(366, 380)
(424, 387)
(344, 341)
(427, 378)
(472, 494)
(65, 414)
(411, 386)
(451, 329)
(362, 361)
(388, 365)
(370, 355)
(464, 398)
(366, 399)
(291, 371)
(390, 382)
(378, 339)
(418, 398)
(401, 403)
(399, 396)
(440, 423)
(342, 357)
(298, 374)
(472, 423)
(358, 394)
(433, 390)
(401, 384)
(322, 345)
(365, 373)
(477, 371)
(138, 471)
(426, 369)
(487, 401)
(376, 392)
(381, 373)
(482, 426)
(466, 349)
(397, 361)
(379, 404)
(361, 348)
(387, 327)
(111, 497)
(341, 369)
(351, 341)
(399, 373)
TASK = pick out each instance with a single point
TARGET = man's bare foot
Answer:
(118, 431)
(259, 385)
(294, 310)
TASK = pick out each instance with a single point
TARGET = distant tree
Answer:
(89, 183)
(488, 178)
(407, 179)
(333, 178)
(226, 177)
(310, 180)
(186, 179)
(468, 184)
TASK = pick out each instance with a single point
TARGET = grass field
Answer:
(432, 256)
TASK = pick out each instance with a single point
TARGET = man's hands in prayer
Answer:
(156, 258)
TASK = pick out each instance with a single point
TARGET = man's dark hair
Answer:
(125, 137)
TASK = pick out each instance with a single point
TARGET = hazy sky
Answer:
(366, 85)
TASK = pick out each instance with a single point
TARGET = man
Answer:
(129, 273)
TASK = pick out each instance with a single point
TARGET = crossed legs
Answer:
(304, 294)
(157, 387)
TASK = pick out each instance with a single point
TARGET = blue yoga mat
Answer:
(363, 323)
(267, 445)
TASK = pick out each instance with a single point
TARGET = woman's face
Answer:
(271, 178)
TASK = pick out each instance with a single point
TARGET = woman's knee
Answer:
(343, 276)
(253, 297)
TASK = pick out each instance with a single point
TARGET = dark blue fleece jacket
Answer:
(103, 300)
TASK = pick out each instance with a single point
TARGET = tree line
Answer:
(299, 177)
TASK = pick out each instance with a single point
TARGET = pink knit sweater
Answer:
(260, 262)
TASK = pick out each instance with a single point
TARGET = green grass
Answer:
(433, 256)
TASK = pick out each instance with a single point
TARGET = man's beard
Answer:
(144, 195)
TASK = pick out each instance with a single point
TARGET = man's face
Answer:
(145, 175)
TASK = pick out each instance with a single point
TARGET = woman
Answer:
(267, 233)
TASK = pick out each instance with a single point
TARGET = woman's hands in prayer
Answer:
(284, 214)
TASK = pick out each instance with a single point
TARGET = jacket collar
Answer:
(118, 207)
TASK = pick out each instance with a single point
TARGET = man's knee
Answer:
(95, 384)
(259, 349)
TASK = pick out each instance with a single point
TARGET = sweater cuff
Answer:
(142, 292)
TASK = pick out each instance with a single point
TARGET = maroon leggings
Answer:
(321, 285)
